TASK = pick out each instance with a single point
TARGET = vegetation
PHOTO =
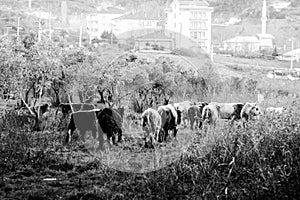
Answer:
(259, 161)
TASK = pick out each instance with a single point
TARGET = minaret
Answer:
(264, 18)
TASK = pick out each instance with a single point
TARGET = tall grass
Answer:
(259, 161)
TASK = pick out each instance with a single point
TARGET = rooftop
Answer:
(243, 39)
(265, 36)
(112, 10)
(155, 35)
(295, 52)
(182, 2)
(138, 16)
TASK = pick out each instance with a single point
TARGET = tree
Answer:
(109, 36)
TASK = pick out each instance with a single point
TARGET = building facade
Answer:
(136, 25)
(189, 23)
(122, 23)
(103, 20)
(242, 44)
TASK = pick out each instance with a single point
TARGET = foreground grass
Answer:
(260, 161)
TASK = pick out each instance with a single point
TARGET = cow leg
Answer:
(192, 123)
(166, 135)
(114, 139)
(200, 124)
(69, 136)
(175, 131)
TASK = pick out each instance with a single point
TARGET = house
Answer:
(247, 44)
(136, 25)
(189, 23)
(103, 20)
(242, 44)
(279, 5)
(158, 39)
(291, 55)
(266, 41)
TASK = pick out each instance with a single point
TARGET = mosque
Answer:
(258, 42)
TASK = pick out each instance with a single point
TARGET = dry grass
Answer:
(260, 161)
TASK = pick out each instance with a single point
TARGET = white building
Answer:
(136, 24)
(103, 20)
(122, 23)
(247, 44)
(189, 23)
(242, 44)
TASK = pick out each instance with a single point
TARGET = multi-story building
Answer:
(136, 24)
(122, 23)
(189, 23)
(103, 20)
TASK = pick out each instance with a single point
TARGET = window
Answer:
(175, 25)
(175, 15)
(201, 35)
(201, 44)
(195, 35)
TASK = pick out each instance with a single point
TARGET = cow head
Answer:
(251, 110)
(255, 110)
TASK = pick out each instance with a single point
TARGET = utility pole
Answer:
(292, 55)
(39, 31)
(18, 27)
(212, 52)
(180, 35)
(50, 26)
(29, 4)
(111, 37)
(80, 31)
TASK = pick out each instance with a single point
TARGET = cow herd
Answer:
(157, 124)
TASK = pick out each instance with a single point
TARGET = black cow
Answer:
(83, 121)
(110, 122)
(99, 121)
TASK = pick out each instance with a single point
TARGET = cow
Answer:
(210, 114)
(250, 111)
(230, 111)
(183, 107)
(194, 114)
(110, 122)
(275, 110)
(84, 120)
(151, 123)
(227, 111)
(170, 118)
(100, 121)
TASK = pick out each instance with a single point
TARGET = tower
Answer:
(64, 12)
(264, 18)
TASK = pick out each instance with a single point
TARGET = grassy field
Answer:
(259, 161)
(256, 69)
